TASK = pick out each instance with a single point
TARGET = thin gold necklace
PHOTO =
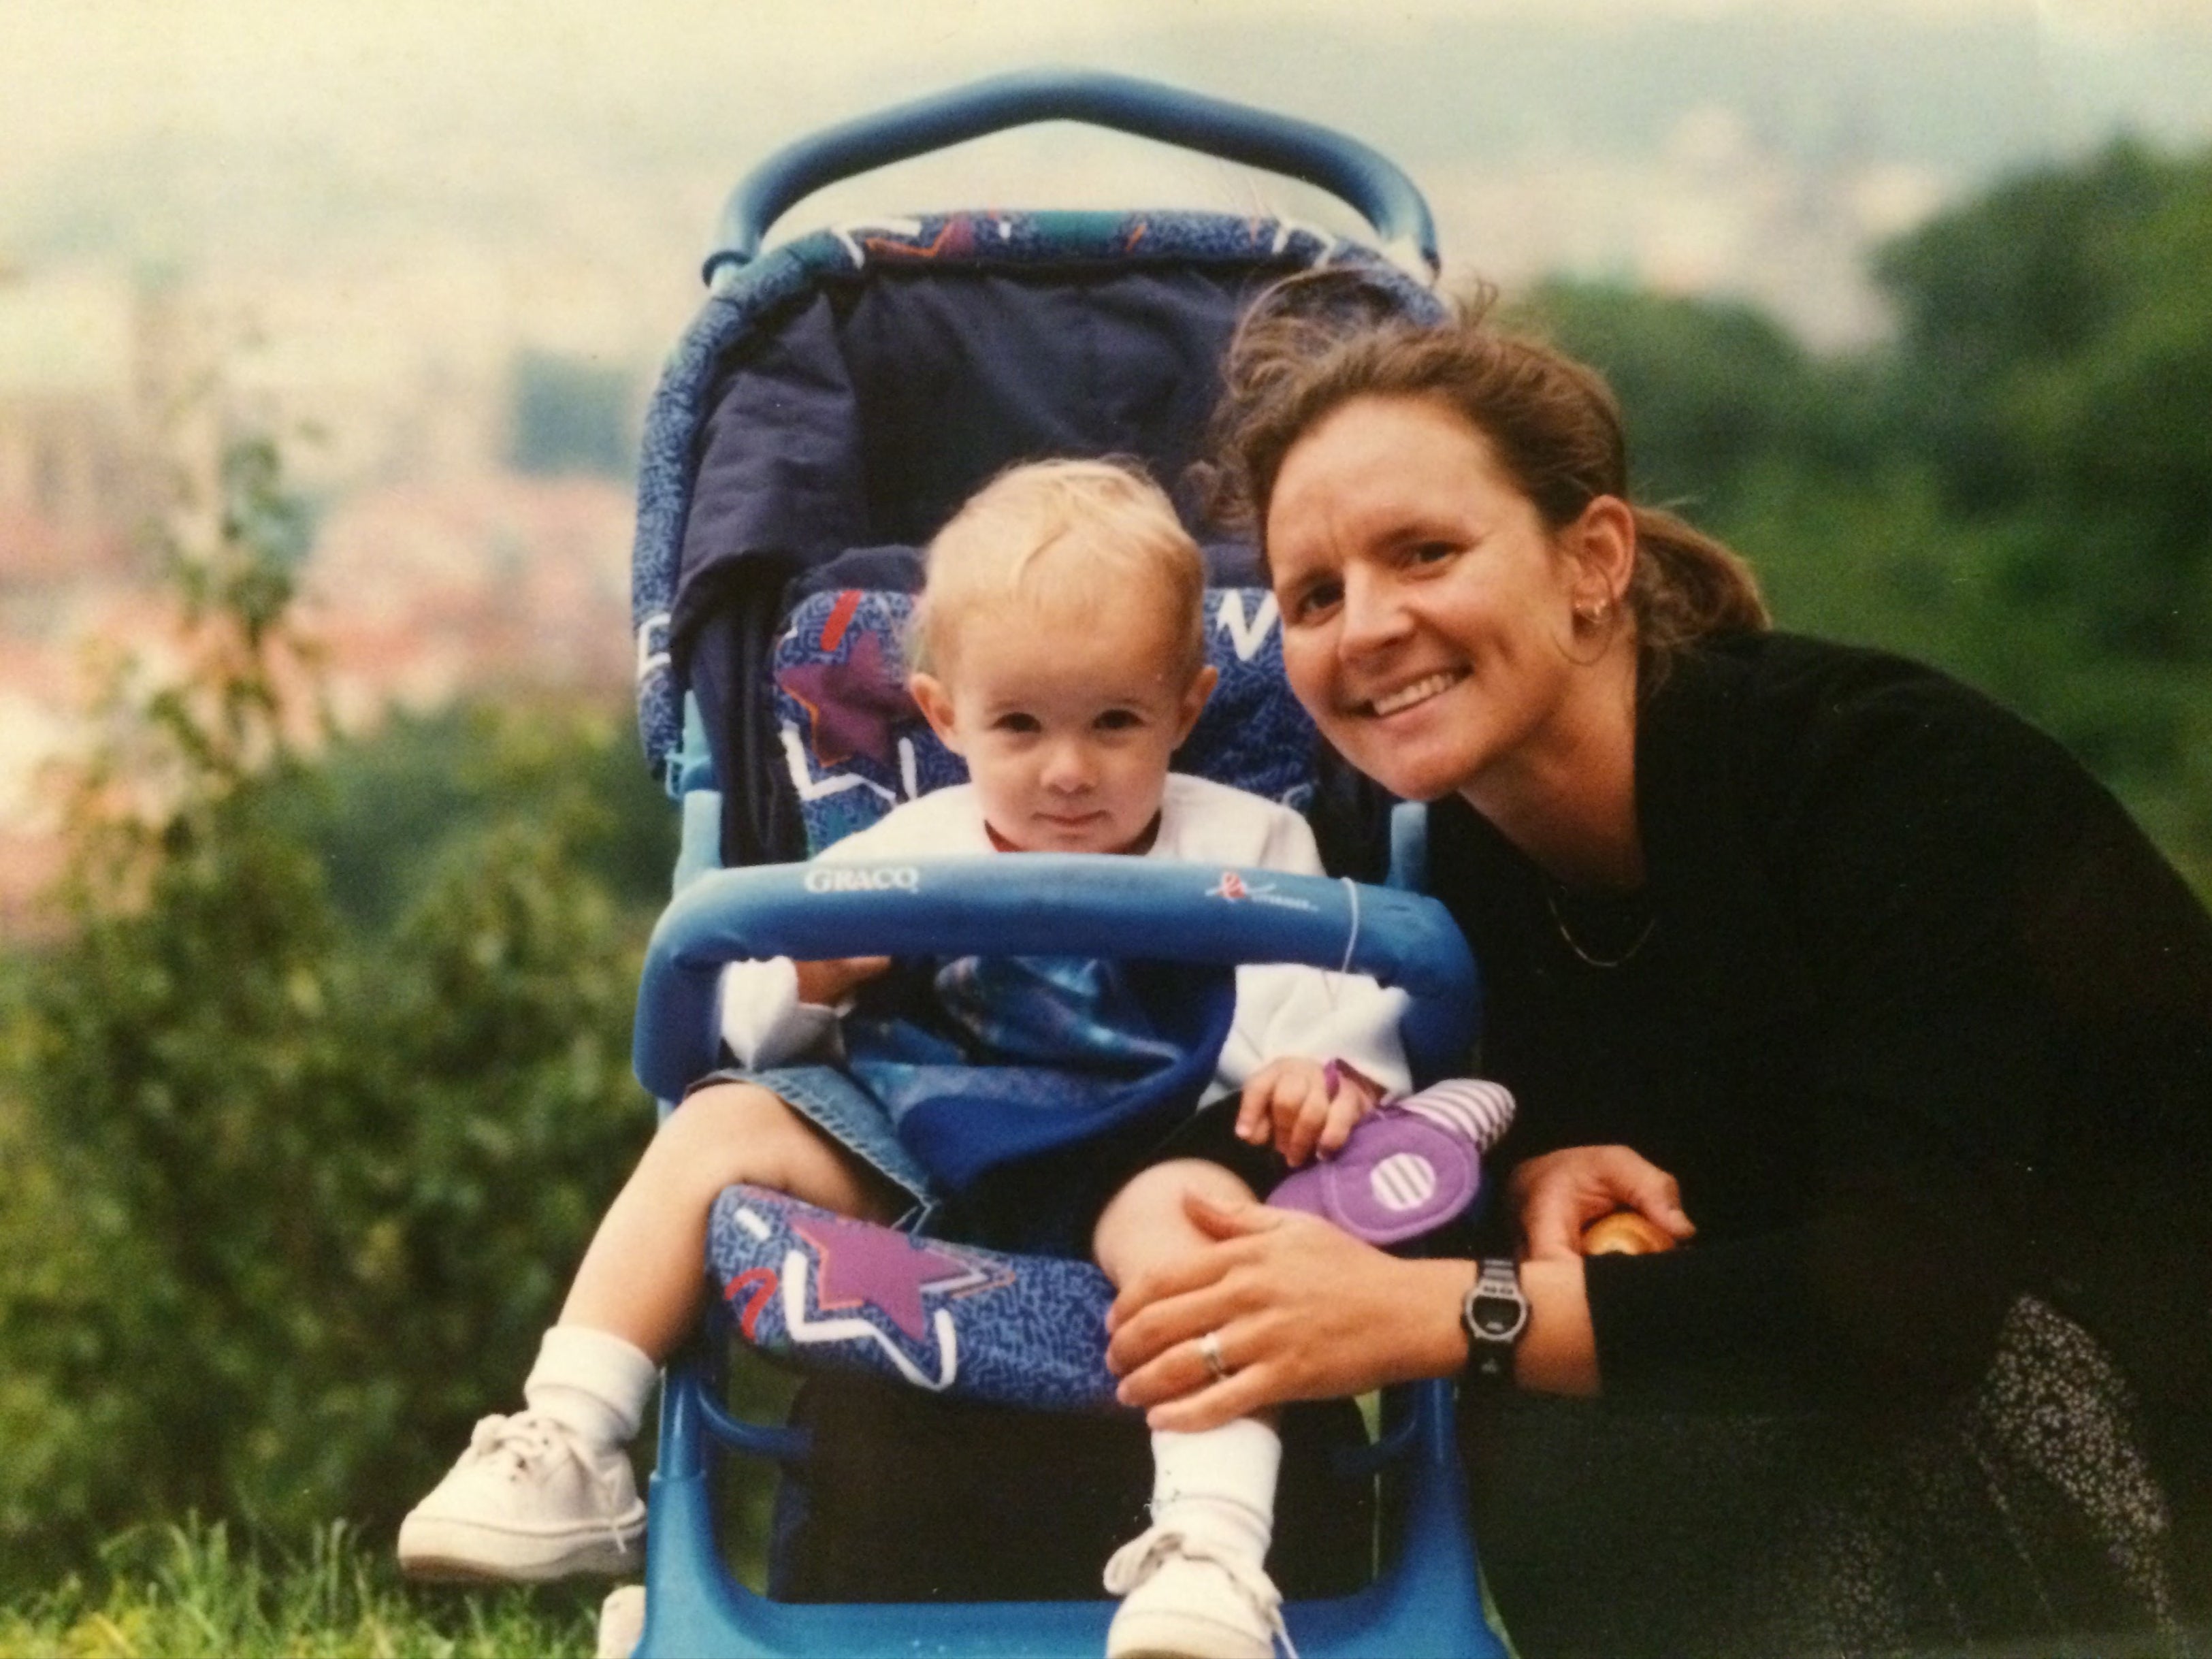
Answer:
(1567, 937)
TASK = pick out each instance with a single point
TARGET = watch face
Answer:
(1495, 1313)
(1499, 1317)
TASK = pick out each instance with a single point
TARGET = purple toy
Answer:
(1408, 1167)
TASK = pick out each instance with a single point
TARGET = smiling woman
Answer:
(1804, 951)
(1451, 632)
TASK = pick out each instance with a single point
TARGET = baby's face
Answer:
(1066, 722)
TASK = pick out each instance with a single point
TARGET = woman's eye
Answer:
(1431, 552)
(1311, 602)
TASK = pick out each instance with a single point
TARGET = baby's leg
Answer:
(1196, 1580)
(643, 1278)
(550, 1492)
(1144, 1225)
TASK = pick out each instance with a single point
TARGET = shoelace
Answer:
(520, 1442)
(1138, 1558)
(526, 1439)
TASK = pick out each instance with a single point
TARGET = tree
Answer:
(285, 1202)
(2018, 488)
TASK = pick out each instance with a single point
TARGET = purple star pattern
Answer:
(854, 704)
(880, 1267)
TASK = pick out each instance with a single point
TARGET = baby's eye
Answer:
(1119, 720)
(1022, 723)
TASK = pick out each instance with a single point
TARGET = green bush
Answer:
(2017, 489)
(286, 1193)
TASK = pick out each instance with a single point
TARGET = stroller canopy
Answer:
(839, 397)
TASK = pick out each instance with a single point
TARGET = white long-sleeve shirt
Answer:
(1281, 1009)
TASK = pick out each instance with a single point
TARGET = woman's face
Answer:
(1428, 612)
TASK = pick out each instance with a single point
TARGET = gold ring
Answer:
(1209, 1349)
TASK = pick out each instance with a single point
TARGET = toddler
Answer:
(1058, 649)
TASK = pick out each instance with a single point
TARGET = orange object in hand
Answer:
(1624, 1233)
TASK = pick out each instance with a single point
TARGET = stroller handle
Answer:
(1362, 177)
(1067, 904)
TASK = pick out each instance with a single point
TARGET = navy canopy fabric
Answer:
(828, 418)
(875, 410)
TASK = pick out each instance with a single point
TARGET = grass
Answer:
(198, 1592)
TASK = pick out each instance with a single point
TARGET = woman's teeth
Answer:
(1420, 691)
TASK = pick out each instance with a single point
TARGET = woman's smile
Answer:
(1420, 691)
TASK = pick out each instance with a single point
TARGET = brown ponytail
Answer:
(1314, 343)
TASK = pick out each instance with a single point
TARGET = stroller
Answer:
(837, 398)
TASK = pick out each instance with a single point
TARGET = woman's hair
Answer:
(1079, 535)
(1312, 343)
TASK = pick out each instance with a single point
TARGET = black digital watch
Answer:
(1494, 1314)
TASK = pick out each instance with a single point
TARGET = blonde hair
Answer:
(1313, 344)
(1078, 535)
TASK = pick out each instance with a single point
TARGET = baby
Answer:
(1058, 649)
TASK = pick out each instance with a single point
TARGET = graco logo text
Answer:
(880, 878)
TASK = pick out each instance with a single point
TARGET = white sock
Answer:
(594, 1382)
(1219, 1485)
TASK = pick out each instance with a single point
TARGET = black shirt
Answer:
(1922, 1021)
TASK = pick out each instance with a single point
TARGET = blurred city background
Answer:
(440, 252)
(1908, 299)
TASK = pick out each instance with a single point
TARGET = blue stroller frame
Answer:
(754, 452)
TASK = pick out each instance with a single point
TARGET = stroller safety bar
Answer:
(1363, 178)
(1085, 904)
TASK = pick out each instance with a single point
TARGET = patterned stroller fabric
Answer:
(799, 1280)
(852, 744)
(835, 403)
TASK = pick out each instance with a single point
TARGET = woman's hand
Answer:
(826, 984)
(1303, 1106)
(1299, 1311)
(1557, 1195)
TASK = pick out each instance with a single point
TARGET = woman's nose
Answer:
(1374, 612)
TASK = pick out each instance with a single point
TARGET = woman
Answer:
(1806, 951)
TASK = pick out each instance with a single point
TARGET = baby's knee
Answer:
(1179, 1178)
(728, 1132)
(1145, 1223)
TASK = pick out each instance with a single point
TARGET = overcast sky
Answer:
(197, 133)
(76, 75)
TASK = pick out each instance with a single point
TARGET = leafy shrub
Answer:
(285, 1199)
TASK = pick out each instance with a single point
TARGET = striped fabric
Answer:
(1473, 1108)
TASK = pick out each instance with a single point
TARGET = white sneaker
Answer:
(1183, 1598)
(621, 1622)
(528, 1501)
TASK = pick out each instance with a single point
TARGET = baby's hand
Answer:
(825, 984)
(1303, 1106)
(1558, 1194)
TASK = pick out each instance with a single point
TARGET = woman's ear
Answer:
(1193, 701)
(936, 705)
(1601, 543)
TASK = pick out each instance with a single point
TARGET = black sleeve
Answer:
(2008, 1080)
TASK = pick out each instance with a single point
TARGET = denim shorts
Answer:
(1047, 1207)
(833, 1103)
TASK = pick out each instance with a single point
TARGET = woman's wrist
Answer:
(1437, 1289)
(1559, 1352)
